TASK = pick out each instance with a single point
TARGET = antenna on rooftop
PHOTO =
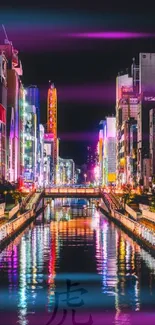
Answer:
(6, 41)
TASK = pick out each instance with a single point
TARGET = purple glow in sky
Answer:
(86, 93)
(110, 35)
(79, 136)
(44, 30)
(47, 38)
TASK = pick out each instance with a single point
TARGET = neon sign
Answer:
(52, 111)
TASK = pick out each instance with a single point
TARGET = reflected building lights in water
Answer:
(22, 292)
(128, 294)
(34, 261)
(53, 260)
(106, 255)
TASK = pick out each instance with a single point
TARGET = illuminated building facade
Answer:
(128, 152)
(30, 145)
(40, 157)
(48, 159)
(147, 102)
(108, 159)
(33, 98)
(14, 71)
(100, 151)
(109, 151)
(22, 93)
(92, 162)
(132, 167)
(66, 172)
(135, 99)
(52, 127)
(152, 143)
(127, 101)
(3, 106)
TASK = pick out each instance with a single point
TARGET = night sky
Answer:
(83, 69)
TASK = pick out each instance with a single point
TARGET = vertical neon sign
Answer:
(52, 122)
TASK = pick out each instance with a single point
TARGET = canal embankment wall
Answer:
(11, 228)
(144, 236)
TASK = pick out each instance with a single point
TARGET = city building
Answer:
(33, 99)
(100, 154)
(135, 100)
(22, 104)
(40, 157)
(128, 152)
(92, 162)
(3, 112)
(152, 144)
(132, 169)
(127, 101)
(48, 159)
(30, 145)
(14, 71)
(66, 172)
(147, 103)
(108, 159)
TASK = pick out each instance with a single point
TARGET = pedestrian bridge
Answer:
(72, 192)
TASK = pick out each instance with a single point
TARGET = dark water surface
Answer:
(74, 266)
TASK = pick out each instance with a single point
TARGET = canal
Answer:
(74, 266)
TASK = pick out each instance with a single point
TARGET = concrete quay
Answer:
(143, 235)
(10, 228)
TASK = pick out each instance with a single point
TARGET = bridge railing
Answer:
(72, 191)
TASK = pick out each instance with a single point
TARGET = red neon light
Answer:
(2, 114)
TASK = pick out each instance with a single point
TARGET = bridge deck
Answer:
(72, 192)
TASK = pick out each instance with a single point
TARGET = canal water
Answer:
(74, 266)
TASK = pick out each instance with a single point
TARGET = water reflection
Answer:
(73, 240)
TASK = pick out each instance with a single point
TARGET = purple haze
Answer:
(110, 35)
(84, 94)
(50, 38)
(79, 136)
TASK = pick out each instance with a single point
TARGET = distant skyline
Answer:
(83, 70)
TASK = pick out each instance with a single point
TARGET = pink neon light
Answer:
(48, 136)
(109, 35)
